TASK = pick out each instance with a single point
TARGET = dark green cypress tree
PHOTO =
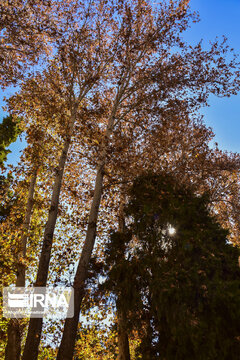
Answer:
(179, 278)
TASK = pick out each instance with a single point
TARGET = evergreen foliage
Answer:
(180, 291)
(9, 132)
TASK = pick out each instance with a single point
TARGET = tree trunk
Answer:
(123, 343)
(35, 324)
(71, 324)
(21, 269)
(66, 348)
(13, 348)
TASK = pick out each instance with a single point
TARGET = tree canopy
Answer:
(106, 91)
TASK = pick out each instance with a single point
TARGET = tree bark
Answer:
(13, 347)
(21, 269)
(123, 343)
(66, 348)
(35, 324)
(71, 324)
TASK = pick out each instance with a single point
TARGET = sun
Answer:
(171, 230)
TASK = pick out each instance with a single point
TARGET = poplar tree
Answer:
(146, 79)
(119, 71)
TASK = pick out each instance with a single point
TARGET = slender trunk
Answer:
(21, 269)
(123, 343)
(13, 348)
(66, 348)
(71, 324)
(35, 324)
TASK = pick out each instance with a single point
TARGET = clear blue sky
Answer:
(218, 17)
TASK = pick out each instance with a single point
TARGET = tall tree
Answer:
(146, 80)
(13, 348)
(141, 83)
(177, 273)
(123, 341)
(79, 65)
(35, 155)
(9, 131)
